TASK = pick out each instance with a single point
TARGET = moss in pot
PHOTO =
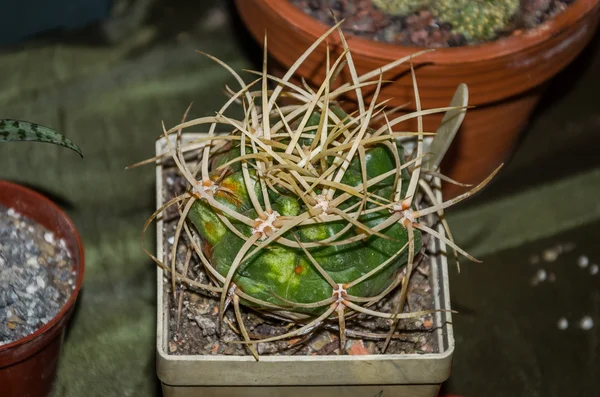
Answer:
(434, 23)
(41, 270)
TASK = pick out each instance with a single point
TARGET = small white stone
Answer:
(562, 323)
(11, 212)
(49, 237)
(30, 289)
(586, 323)
(9, 313)
(550, 255)
(583, 261)
(594, 269)
(541, 275)
(171, 240)
(40, 282)
(32, 261)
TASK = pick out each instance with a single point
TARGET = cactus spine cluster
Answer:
(477, 20)
(302, 210)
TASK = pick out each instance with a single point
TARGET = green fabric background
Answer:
(111, 100)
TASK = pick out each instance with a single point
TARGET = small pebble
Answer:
(563, 323)
(550, 255)
(541, 275)
(583, 261)
(586, 323)
(172, 347)
(49, 237)
(171, 240)
(594, 269)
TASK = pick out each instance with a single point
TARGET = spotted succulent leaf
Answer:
(17, 130)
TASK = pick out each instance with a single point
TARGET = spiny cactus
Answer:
(303, 211)
(400, 7)
(476, 19)
(17, 130)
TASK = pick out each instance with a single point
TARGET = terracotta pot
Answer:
(506, 78)
(28, 365)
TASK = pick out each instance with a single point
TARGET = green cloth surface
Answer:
(111, 101)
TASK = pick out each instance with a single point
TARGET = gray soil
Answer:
(422, 28)
(36, 276)
(193, 315)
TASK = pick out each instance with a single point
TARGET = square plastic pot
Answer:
(397, 375)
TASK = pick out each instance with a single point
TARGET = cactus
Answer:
(303, 211)
(285, 270)
(477, 20)
(17, 130)
(400, 7)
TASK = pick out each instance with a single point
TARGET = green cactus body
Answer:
(280, 271)
(400, 7)
(477, 20)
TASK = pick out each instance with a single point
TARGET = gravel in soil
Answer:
(36, 276)
(193, 316)
(421, 28)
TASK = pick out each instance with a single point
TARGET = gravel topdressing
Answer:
(36, 276)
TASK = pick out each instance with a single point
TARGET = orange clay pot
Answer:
(28, 365)
(506, 78)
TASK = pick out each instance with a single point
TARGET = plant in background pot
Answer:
(41, 271)
(506, 58)
(296, 243)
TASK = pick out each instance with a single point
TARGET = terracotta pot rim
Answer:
(59, 213)
(453, 55)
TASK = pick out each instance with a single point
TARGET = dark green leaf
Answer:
(16, 130)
